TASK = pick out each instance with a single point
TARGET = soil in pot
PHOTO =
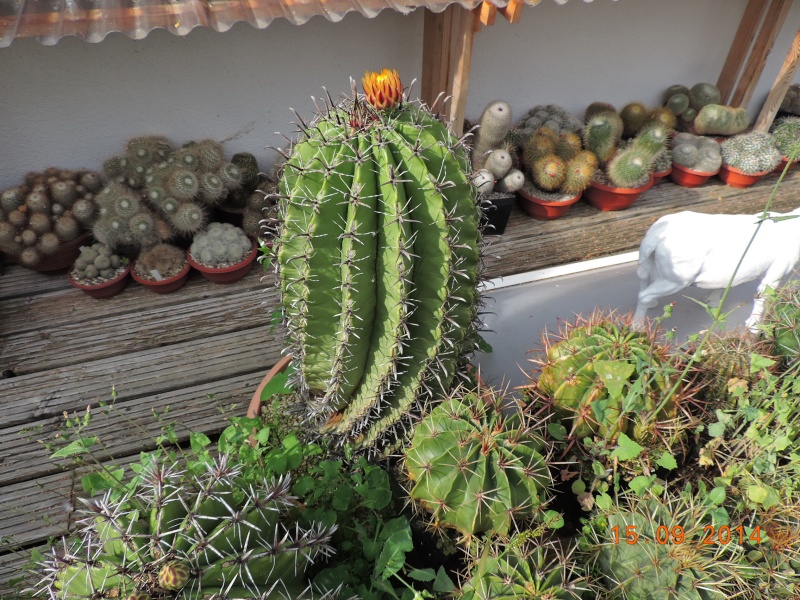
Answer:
(543, 206)
(156, 282)
(100, 288)
(606, 197)
(689, 177)
(229, 273)
(735, 178)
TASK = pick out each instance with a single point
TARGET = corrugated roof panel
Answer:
(93, 20)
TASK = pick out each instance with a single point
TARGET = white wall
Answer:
(74, 104)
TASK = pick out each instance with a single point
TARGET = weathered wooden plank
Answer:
(128, 427)
(463, 34)
(51, 309)
(585, 232)
(745, 34)
(19, 282)
(782, 82)
(94, 338)
(29, 398)
(435, 55)
(14, 565)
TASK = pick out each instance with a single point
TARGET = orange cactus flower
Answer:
(383, 89)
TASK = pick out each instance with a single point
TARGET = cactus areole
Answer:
(378, 260)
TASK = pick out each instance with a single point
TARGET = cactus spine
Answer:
(380, 329)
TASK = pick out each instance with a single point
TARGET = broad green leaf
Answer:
(393, 555)
(614, 375)
(557, 430)
(626, 448)
(758, 362)
(604, 502)
(717, 495)
(763, 495)
(198, 441)
(578, 486)
(667, 461)
(422, 574)
(640, 484)
(716, 430)
(79, 446)
(443, 584)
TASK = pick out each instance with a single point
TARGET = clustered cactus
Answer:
(786, 134)
(751, 153)
(378, 260)
(698, 110)
(698, 153)
(187, 538)
(97, 262)
(491, 158)
(220, 245)
(557, 163)
(476, 464)
(45, 211)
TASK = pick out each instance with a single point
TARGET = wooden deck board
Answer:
(156, 351)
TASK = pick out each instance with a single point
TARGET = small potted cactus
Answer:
(695, 159)
(748, 157)
(786, 133)
(162, 268)
(99, 272)
(222, 253)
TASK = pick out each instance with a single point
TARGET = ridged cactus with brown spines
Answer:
(667, 559)
(557, 164)
(50, 208)
(524, 568)
(477, 464)
(182, 537)
(126, 222)
(378, 257)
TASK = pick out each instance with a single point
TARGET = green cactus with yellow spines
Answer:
(380, 330)
(602, 134)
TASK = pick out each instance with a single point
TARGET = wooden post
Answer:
(782, 83)
(446, 58)
(773, 21)
(751, 19)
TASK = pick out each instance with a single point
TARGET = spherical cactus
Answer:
(548, 172)
(782, 318)
(210, 155)
(483, 180)
(211, 188)
(580, 172)
(715, 119)
(248, 165)
(786, 133)
(166, 259)
(230, 175)
(652, 138)
(662, 116)
(677, 103)
(512, 181)
(188, 218)
(188, 537)
(575, 377)
(702, 94)
(751, 153)
(475, 466)
(498, 163)
(633, 115)
(568, 144)
(97, 260)
(596, 108)
(12, 198)
(378, 260)
(630, 168)
(602, 133)
(541, 143)
(220, 245)
(182, 184)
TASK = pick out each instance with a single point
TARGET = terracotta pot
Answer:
(165, 286)
(661, 176)
(689, 177)
(782, 165)
(604, 197)
(61, 260)
(735, 178)
(226, 274)
(101, 291)
(544, 210)
(254, 408)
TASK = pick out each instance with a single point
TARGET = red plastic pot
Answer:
(164, 286)
(226, 274)
(689, 177)
(604, 197)
(661, 176)
(782, 165)
(735, 178)
(544, 210)
(101, 291)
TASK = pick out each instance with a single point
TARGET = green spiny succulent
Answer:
(702, 94)
(378, 260)
(786, 133)
(716, 119)
(602, 134)
(97, 261)
(597, 107)
(633, 115)
(549, 172)
(551, 116)
(782, 320)
(523, 569)
(187, 538)
(477, 465)
(751, 153)
(630, 168)
(220, 245)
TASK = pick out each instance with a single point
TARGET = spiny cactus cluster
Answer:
(220, 245)
(791, 101)
(751, 153)
(786, 133)
(250, 180)
(695, 152)
(491, 157)
(165, 259)
(476, 464)
(259, 217)
(523, 568)
(557, 163)
(551, 116)
(183, 538)
(126, 222)
(634, 163)
(782, 321)
(686, 103)
(716, 119)
(378, 259)
(46, 210)
(97, 262)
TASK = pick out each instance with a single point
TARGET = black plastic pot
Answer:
(496, 210)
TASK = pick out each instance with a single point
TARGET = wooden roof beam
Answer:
(782, 83)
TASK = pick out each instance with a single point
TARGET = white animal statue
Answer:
(688, 248)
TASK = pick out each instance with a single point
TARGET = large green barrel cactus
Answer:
(378, 260)
(476, 467)
(169, 539)
(603, 378)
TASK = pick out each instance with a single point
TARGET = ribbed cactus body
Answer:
(716, 119)
(602, 133)
(751, 153)
(170, 539)
(476, 468)
(569, 378)
(378, 260)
